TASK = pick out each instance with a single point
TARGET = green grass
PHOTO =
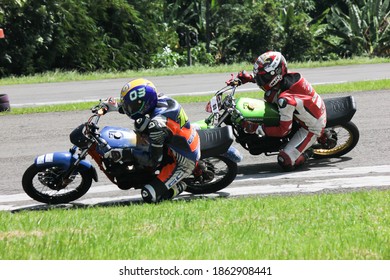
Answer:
(322, 226)
(65, 76)
(352, 226)
(321, 89)
(61, 76)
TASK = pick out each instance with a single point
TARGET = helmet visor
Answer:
(264, 78)
(132, 108)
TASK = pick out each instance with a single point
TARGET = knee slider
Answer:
(285, 161)
(153, 192)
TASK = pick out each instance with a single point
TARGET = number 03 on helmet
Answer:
(138, 97)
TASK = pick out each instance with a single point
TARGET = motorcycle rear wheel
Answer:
(224, 171)
(39, 184)
(347, 139)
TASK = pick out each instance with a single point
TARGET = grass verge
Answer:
(66, 76)
(321, 89)
(353, 226)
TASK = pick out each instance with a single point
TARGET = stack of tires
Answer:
(4, 103)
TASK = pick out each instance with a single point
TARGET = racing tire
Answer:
(34, 185)
(348, 137)
(4, 103)
(225, 171)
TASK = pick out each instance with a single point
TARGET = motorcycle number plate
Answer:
(214, 105)
(45, 158)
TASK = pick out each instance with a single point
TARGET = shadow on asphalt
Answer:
(273, 168)
(114, 203)
(266, 169)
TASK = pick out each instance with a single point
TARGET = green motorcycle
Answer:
(341, 133)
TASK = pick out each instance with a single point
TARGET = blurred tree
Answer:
(365, 29)
(91, 35)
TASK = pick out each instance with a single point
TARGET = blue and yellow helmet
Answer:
(138, 97)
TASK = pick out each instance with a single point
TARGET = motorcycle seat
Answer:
(215, 141)
(339, 110)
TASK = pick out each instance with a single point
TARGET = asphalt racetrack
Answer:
(26, 136)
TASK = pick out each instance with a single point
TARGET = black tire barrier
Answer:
(4, 103)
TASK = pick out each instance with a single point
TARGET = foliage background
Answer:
(120, 35)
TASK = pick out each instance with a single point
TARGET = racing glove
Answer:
(109, 105)
(245, 77)
(157, 136)
(233, 81)
(242, 77)
(252, 128)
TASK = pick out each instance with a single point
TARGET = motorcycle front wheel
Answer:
(346, 137)
(45, 184)
(219, 172)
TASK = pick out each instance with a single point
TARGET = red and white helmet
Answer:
(269, 69)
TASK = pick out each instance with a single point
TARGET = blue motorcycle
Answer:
(62, 177)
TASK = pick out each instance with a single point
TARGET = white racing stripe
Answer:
(354, 177)
(314, 186)
(321, 172)
(171, 94)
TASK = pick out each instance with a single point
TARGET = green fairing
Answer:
(258, 111)
(201, 124)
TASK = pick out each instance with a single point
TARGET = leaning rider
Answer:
(296, 100)
(174, 142)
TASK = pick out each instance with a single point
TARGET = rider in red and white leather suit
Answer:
(296, 100)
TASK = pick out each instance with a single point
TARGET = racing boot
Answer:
(179, 188)
(175, 190)
(304, 157)
(201, 173)
(328, 140)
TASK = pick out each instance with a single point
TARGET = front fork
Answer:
(67, 161)
(66, 179)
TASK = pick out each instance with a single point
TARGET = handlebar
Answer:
(229, 98)
(92, 127)
(227, 88)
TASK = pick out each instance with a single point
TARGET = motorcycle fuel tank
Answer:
(119, 137)
(258, 111)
